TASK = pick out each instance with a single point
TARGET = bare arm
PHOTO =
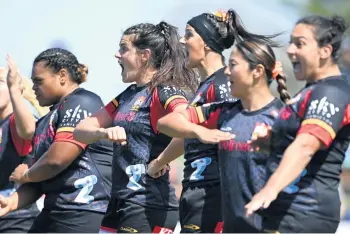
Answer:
(93, 128)
(177, 124)
(25, 195)
(294, 160)
(25, 122)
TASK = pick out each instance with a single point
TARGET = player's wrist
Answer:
(102, 133)
(25, 178)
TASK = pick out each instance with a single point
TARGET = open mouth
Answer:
(121, 65)
(296, 66)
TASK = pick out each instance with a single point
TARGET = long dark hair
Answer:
(167, 54)
(256, 52)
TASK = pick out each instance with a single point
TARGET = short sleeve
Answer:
(206, 115)
(23, 147)
(165, 99)
(72, 111)
(326, 108)
(112, 107)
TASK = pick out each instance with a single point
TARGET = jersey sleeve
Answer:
(165, 99)
(71, 112)
(206, 115)
(327, 107)
(112, 107)
(23, 147)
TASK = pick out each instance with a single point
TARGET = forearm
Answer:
(25, 195)
(25, 122)
(174, 150)
(176, 125)
(295, 159)
(88, 134)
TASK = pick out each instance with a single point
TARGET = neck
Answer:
(146, 77)
(6, 112)
(258, 99)
(211, 63)
(332, 70)
(69, 90)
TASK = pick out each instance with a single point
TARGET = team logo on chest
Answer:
(138, 103)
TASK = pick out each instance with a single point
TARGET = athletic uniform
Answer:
(311, 203)
(77, 198)
(139, 202)
(13, 152)
(200, 202)
(242, 172)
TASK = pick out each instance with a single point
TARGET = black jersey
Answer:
(13, 151)
(242, 171)
(201, 162)
(321, 109)
(85, 184)
(138, 110)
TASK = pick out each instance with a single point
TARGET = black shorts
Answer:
(200, 209)
(125, 216)
(67, 221)
(299, 223)
(16, 224)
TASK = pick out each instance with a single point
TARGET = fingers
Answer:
(117, 134)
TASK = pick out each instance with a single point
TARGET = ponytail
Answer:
(282, 88)
(172, 68)
(236, 31)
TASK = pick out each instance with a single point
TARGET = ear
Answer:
(63, 76)
(206, 47)
(326, 51)
(145, 56)
(258, 71)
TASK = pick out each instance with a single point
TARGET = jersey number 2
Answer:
(135, 172)
(86, 185)
(200, 165)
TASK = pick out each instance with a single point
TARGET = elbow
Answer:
(26, 133)
(56, 166)
(161, 125)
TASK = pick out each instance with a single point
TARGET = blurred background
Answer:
(92, 29)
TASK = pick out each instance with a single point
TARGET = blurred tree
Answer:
(322, 7)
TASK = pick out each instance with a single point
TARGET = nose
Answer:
(117, 55)
(182, 40)
(291, 49)
(227, 71)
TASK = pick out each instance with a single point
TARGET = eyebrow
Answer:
(298, 38)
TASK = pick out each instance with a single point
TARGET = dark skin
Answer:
(50, 88)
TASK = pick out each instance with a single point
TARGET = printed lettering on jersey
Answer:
(225, 91)
(73, 116)
(138, 103)
(322, 109)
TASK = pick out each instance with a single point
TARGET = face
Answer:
(239, 74)
(304, 52)
(130, 60)
(46, 85)
(4, 92)
(194, 46)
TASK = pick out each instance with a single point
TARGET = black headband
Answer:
(208, 32)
